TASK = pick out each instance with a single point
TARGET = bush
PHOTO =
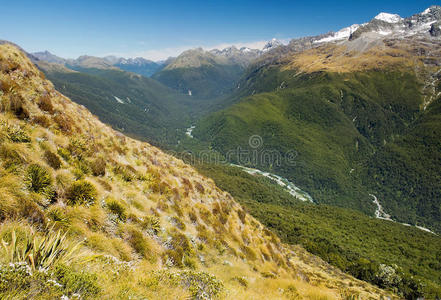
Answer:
(81, 169)
(82, 283)
(98, 167)
(201, 285)
(152, 223)
(18, 282)
(38, 179)
(17, 134)
(181, 250)
(13, 278)
(200, 188)
(81, 192)
(57, 215)
(127, 173)
(178, 223)
(64, 123)
(41, 120)
(15, 105)
(137, 241)
(52, 159)
(77, 147)
(117, 208)
(249, 253)
(45, 104)
(292, 293)
(11, 156)
(241, 280)
(189, 262)
(64, 153)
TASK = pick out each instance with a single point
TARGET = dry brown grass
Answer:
(337, 58)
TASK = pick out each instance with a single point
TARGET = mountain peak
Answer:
(431, 9)
(272, 44)
(388, 18)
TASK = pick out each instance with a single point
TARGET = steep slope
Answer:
(354, 110)
(150, 225)
(340, 236)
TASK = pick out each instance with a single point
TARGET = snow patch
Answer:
(389, 18)
(427, 11)
(272, 44)
(383, 32)
(344, 33)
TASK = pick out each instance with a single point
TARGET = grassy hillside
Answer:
(86, 212)
(352, 133)
(352, 241)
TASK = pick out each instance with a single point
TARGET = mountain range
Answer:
(351, 118)
(137, 222)
(220, 68)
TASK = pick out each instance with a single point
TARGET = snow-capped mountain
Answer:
(137, 65)
(386, 24)
(344, 33)
(274, 43)
(388, 18)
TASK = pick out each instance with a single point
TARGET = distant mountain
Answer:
(274, 43)
(202, 74)
(49, 57)
(209, 74)
(88, 62)
(389, 25)
(84, 61)
(228, 64)
(137, 65)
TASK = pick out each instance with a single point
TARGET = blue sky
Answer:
(157, 29)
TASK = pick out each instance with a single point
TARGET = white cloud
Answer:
(161, 54)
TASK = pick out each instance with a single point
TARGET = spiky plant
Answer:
(41, 252)
(38, 179)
